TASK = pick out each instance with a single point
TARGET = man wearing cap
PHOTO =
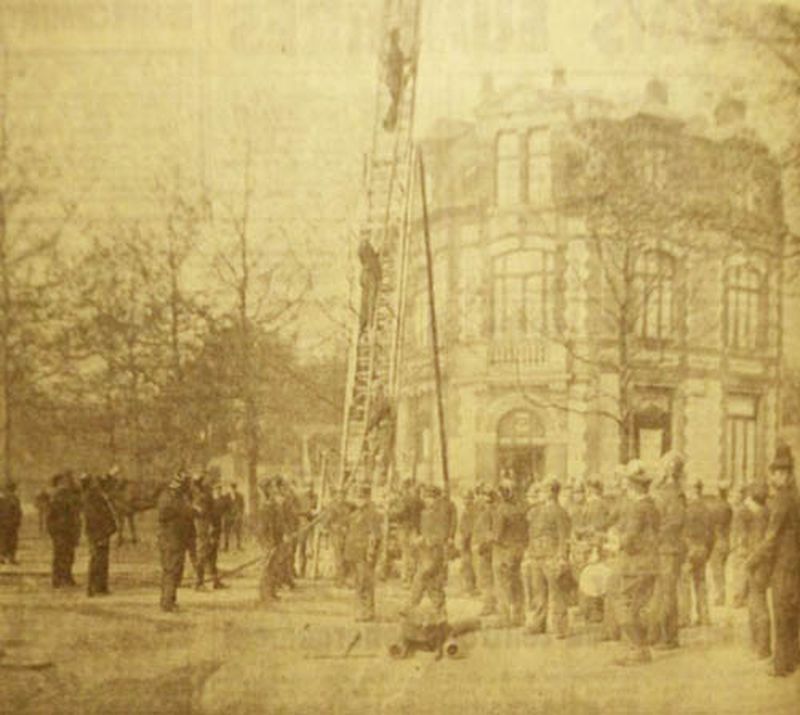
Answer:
(699, 535)
(362, 547)
(779, 551)
(754, 520)
(175, 517)
(465, 527)
(437, 529)
(671, 503)
(482, 532)
(638, 565)
(64, 527)
(721, 516)
(510, 528)
(548, 557)
(100, 525)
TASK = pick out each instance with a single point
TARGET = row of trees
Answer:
(153, 342)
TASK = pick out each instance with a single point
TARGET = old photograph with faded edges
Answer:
(399, 356)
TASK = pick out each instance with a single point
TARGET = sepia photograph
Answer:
(399, 356)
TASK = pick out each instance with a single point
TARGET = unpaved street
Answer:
(224, 654)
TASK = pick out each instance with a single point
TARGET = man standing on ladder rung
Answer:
(396, 77)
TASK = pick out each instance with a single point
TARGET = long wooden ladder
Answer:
(373, 352)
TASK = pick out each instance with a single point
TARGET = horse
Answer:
(130, 498)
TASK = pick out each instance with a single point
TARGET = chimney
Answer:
(730, 112)
(656, 94)
(559, 78)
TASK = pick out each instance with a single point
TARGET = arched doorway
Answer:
(521, 446)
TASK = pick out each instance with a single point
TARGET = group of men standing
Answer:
(75, 504)
(282, 528)
(195, 518)
(633, 558)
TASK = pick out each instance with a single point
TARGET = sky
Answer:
(120, 93)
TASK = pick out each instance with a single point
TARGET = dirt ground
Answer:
(223, 654)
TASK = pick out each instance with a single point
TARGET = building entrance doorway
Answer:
(520, 448)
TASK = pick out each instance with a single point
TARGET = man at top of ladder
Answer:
(396, 77)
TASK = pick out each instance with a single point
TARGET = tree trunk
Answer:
(253, 452)
(5, 373)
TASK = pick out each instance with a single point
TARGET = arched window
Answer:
(507, 169)
(654, 290)
(523, 293)
(744, 296)
(519, 428)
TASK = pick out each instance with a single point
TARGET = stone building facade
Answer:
(608, 285)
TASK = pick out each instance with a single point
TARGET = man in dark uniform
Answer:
(204, 526)
(396, 78)
(638, 567)
(510, 527)
(754, 520)
(482, 537)
(10, 521)
(64, 527)
(779, 549)
(671, 503)
(548, 559)
(699, 534)
(335, 523)
(437, 529)
(721, 516)
(270, 536)
(465, 527)
(99, 524)
(362, 547)
(175, 516)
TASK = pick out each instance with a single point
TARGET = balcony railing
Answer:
(525, 353)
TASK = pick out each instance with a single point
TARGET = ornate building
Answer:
(607, 285)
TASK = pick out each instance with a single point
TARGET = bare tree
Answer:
(646, 254)
(268, 286)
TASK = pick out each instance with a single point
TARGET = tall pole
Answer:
(437, 368)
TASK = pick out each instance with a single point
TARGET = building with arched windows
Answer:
(607, 286)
